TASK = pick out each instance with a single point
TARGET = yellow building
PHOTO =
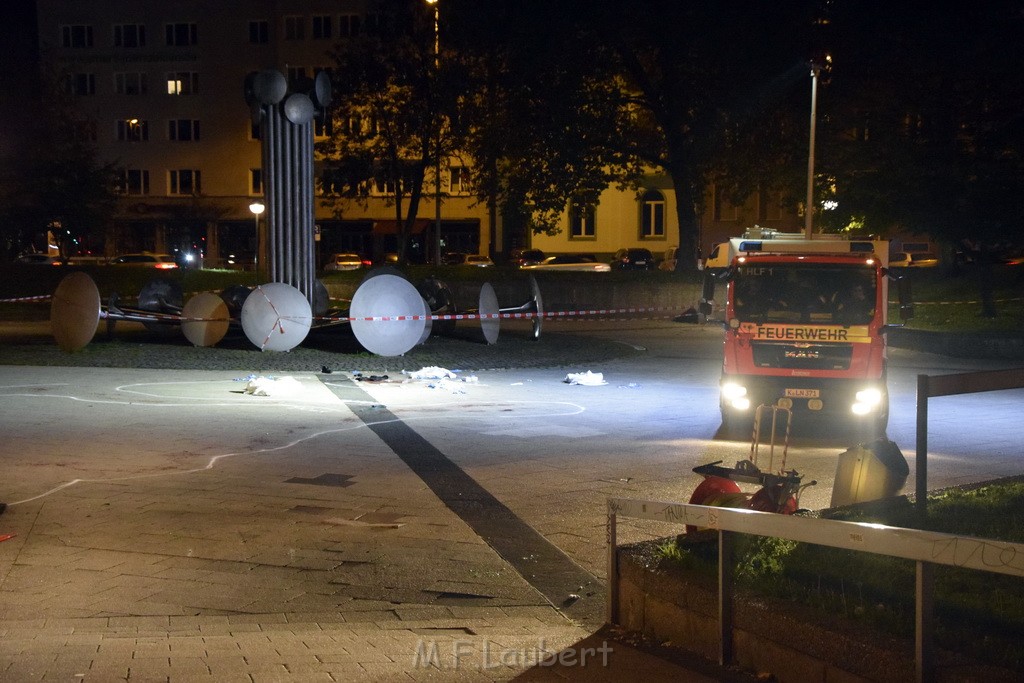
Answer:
(159, 88)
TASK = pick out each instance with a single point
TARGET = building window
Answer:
(129, 35)
(128, 83)
(254, 130)
(77, 35)
(82, 84)
(582, 221)
(725, 210)
(770, 206)
(184, 181)
(255, 181)
(180, 35)
(652, 214)
(183, 83)
(183, 130)
(382, 187)
(295, 28)
(133, 181)
(458, 180)
(133, 130)
(322, 27)
(296, 73)
(349, 25)
(259, 32)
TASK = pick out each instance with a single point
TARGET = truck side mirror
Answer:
(707, 295)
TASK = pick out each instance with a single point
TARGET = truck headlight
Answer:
(735, 395)
(866, 401)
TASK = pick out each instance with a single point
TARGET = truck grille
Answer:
(802, 357)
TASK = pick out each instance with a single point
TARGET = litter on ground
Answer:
(268, 386)
(430, 372)
(588, 378)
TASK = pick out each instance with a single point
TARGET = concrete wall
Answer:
(789, 642)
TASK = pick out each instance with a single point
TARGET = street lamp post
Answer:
(816, 68)
(257, 207)
(437, 160)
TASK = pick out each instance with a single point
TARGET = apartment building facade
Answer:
(159, 89)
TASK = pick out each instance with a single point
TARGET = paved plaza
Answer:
(169, 525)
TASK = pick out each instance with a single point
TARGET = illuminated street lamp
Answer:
(437, 165)
(257, 207)
(816, 68)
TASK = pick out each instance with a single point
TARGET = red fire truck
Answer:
(805, 324)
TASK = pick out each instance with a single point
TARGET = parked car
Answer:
(39, 260)
(478, 261)
(146, 259)
(901, 259)
(633, 259)
(453, 258)
(571, 262)
(526, 257)
(346, 261)
(669, 262)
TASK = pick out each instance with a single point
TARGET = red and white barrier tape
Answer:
(22, 299)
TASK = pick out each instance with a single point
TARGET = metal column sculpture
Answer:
(285, 113)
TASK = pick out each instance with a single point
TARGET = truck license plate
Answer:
(802, 393)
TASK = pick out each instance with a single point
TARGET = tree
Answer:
(580, 95)
(61, 186)
(926, 133)
(693, 76)
(394, 113)
(541, 108)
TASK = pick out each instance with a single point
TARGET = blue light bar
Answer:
(750, 246)
(862, 246)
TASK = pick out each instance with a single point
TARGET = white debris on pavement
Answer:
(588, 378)
(431, 372)
(269, 386)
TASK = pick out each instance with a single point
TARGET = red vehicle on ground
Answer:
(805, 324)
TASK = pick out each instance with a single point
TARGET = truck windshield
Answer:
(804, 293)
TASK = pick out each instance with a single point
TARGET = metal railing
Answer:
(925, 548)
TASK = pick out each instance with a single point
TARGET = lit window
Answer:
(183, 83)
(133, 130)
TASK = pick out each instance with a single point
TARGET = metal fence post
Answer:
(924, 621)
(726, 543)
(612, 607)
(921, 459)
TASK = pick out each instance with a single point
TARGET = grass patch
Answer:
(977, 613)
(950, 300)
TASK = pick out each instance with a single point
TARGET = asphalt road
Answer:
(149, 502)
